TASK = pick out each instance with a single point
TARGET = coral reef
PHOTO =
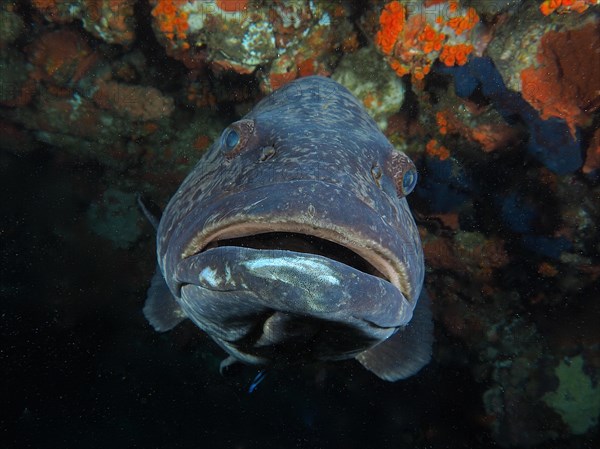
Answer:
(563, 83)
(12, 25)
(109, 20)
(550, 141)
(414, 34)
(284, 40)
(370, 79)
(565, 6)
(17, 86)
(576, 399)
(517, 39)
(135, 102)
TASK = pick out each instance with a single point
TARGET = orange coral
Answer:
(434, 149)
(563, 6)
(413, 39)
(61, 57)
(442, 121)
(566, 83)
(494, 136)
(391, 21)
(49, 7)
(448, 123)
(433, 40)
(547, 270)
(278, 80)
(232, 5)
(307, 67)
(456, 54)
(464, 23)
(170, 19)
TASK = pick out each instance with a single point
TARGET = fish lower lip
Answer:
(292, 282)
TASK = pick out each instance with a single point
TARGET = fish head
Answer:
(291, 239)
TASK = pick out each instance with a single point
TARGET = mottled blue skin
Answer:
(310, 161)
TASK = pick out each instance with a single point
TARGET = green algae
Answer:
(576, 399)
(115, 218)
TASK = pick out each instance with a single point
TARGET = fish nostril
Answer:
(266, 153)
(377, 174)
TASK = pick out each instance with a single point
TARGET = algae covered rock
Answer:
(115, 217)
(366, 74)
(576, 399)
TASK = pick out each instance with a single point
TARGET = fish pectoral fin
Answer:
(226, 364)
(405, 352)
(152, 218)
(161, 310)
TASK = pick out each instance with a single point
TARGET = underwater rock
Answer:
(61, 58)
(71, 97)
(17, 87)
(370, 79)
(284, 39)
(550, 141)
(135, 102)
(592, 159)
(517, 39)
(444, 185)
(491, 7)
(469, 253)
(577, 399)
(483, 126)
(516, 359)
(412, 35)
(116, 218)
(12, 25)
(565, 83)
(109, 20)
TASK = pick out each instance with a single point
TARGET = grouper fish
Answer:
(291, 240)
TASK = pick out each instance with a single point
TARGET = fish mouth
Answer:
(284, 294)
(302, 238)
(301, 243)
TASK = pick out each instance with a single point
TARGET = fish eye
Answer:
(237, 138)
(230, 139)
(409, 180)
